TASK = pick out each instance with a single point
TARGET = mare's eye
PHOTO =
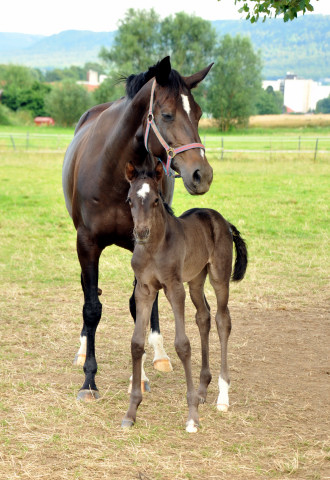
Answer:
(129, 201)
(167, 117)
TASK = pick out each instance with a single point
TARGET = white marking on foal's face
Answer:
(144, 190)
(186, 105)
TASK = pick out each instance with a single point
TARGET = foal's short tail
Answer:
(241, 260)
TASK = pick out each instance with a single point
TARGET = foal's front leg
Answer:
(144, 300)
(176, 295)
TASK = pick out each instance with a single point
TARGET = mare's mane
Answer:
(135, 82)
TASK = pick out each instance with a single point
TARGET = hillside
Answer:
(301, 46)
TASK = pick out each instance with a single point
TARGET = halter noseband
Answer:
(171, 152)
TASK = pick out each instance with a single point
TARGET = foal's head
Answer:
(145, 201)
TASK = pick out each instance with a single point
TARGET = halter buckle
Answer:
(170, 152)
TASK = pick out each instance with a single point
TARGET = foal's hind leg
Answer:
(203, 320)
(89, 254)
(223, 321)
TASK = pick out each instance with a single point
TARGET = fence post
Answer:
(27, 141)
(13, 142)
(221, 148)
(299, 143)
(316, 145)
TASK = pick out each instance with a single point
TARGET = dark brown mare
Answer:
(169, 251)
(157, 118)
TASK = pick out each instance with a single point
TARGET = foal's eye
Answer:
(168, 117)
(156, 201)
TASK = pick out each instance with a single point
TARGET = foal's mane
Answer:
(135, 82)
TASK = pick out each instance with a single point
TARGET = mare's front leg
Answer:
(144, 300)
(89, 253)
(176, 295)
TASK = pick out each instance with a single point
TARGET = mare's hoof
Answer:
(191, 426)
(126, 423)
(79, 359)
(88, 395)
(145, 386)
(163, 365)
(222, 407)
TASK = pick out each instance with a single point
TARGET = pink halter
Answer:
(171, 152)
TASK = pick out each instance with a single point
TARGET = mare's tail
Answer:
(241, 260)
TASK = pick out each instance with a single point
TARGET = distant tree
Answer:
(31, 98)
(18, 75)
(109, 90)
(235, 82)
(136, 44)
(269, 102)
(266, 8)
(67, 102)
(323, 106)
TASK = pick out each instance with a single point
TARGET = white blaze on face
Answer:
(186, 105)
(144, 190)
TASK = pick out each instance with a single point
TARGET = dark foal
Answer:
(169, 251)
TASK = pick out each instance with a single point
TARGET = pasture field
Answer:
(277, 426)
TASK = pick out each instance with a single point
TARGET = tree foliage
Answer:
(266, 8)
(67, 102)
(269, 102)
(323, 106)
(235, 82)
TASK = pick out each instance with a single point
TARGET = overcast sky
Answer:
(47, 18)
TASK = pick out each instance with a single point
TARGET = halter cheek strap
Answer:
(171, 152)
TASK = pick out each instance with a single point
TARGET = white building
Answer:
(300, 95)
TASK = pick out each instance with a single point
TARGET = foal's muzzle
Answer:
(141, 235)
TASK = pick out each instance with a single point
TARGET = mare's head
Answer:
(170, 125)
(145, 201)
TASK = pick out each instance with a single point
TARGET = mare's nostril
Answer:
(196, 176)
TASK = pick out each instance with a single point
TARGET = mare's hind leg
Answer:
(161, 360)
(223, 321)
(203, 320)
(89, 254)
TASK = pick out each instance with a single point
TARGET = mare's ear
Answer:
(195, 79)
(159, 171)
(130, 172)
(163, 71)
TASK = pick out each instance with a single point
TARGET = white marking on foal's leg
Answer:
(161, 360)
(191, 426)
(144, 190)
(81, 354)
(186, 104)
(223, 398)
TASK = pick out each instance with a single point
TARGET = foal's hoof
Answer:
(222, 407)
(79, 359)
(88, 395)
(99, 291)
(145, 386)
(191, 426)
(163, 365)
(126, 423)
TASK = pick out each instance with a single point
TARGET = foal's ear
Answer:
(159, 171)
(130, 172)
(163, 71)
(195, 79)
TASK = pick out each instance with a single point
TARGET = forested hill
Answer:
(301, 46)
